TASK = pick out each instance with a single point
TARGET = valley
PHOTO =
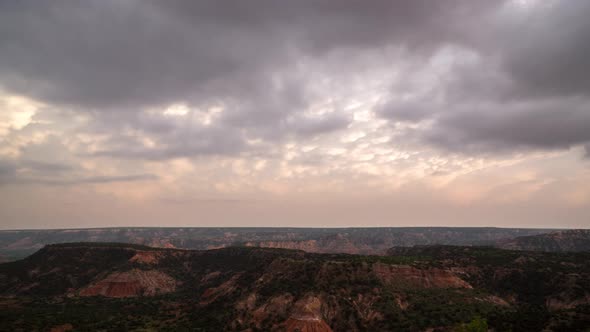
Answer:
(115, 286)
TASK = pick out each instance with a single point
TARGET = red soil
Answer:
(131, 283)
(419, 278)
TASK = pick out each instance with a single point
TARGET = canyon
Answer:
(241, 288)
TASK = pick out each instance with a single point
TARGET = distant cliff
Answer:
(18, 244)
(559, 241)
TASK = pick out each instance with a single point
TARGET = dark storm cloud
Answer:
(490, 126)
(398, 111)
(547, 51)
(528, 89)
(320, 26)
(305, 126)
(537, 125)
(112, 59)
(119, 56)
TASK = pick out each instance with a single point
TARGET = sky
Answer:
(309, 113)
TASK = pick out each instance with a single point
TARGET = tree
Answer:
(478, 324)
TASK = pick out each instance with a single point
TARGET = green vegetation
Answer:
(478, 324)
(510, 291)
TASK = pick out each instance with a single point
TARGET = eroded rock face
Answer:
(210, 276)
(306, 316)
(574, 240)
(62, 328)
(131, 283)
(333, 244)
(405, 275)
(247, 304)
(567, 300)
(280, 290)
(146, 257)
(305, 245)
(278, 305)
(496, 300)
(364, 305)
(212, 294)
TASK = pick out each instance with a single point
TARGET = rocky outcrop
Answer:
(306, 316)
(277, 305)
(575, 240)
(213, 293)
(147, 257)
(334, 243)
(404, 275)
(131, 283)
(62, 328)
(306, 245)
(561, 302)
(261, 289)
(364, 305)
(19, 244)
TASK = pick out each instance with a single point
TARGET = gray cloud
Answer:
(111, 59)
(46, 173)
(107, 179)
(546, 50)
(527, 88)
(83, 180)
(11, 167)
(177, 143)
(406, 111)
(540, 125)
(492, 125)
(118, 57)
(305, 126)
(113, 54)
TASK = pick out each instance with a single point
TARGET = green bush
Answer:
(478, 324)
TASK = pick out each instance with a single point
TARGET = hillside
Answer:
(94, 286)
(21, 243)
(559, 241)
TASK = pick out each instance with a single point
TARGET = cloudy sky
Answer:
(294, 113)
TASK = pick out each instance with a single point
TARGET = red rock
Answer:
(62, 328)
(131, 283)
(146, 257)
(306, 317)
(405, 275)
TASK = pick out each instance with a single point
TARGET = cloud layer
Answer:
(155, 100)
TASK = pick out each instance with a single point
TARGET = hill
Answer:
(111, 286)
(375, 241)
(559, 241)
